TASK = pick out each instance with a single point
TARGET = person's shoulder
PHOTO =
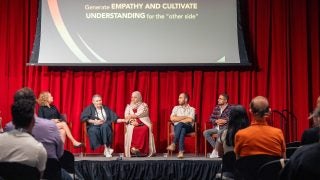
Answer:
(144, 104)
(312, 130)
(43, 121)
(192, 108)
(243, 132)
(176, 107)
(274, 129)
(88, 107)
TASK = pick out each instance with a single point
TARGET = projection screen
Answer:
(138, 32)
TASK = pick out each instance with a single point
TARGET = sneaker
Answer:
(171, 147)
(180, 155)
(108, 155)
(214, 154)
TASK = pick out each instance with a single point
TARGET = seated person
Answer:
(182, 117)
(238, 119)
(303, 164)
(44, 131)
(260, 138)
(219, 119)
(18, 145)
(139, 139)
(99, 118)
(311, 135)
(48, 111)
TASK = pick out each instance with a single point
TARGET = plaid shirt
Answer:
(216, 114)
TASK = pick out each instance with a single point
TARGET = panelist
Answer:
(183, 117)
(49, 111)
(139, 139)
(99, 118)
(219, 119)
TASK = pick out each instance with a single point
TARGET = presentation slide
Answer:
(137, 32)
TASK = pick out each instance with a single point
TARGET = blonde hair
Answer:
(43, 98)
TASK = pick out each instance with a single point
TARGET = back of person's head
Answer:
(22, 113)
(238, 119)
(25, 93)
(259, 107)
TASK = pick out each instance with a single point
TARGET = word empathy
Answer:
(154, 6)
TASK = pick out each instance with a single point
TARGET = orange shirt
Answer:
(259, 138)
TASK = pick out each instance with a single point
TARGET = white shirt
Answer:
(101, 114)
(187, 111)
(21, 147)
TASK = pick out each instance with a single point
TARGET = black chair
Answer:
(247, 167)
(290, 151)
(53, 170)
(228, 166)
(67, 162)
(15, 171)
(271, 170)
(293, 144)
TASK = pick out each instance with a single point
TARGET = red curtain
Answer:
(283, 37)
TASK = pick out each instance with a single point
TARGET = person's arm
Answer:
(59, 116)
(176, 118)
(187, 120)
(237, 146)
(41, 112)
(142, 111)
(42, 160)
(113, 117)
(86, 116)
(214, 116)
(224, 118)
(283, 145)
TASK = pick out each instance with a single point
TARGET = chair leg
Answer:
(205, 147)
(196, 144)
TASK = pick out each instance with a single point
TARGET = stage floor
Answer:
(191, 157)
(97, 167)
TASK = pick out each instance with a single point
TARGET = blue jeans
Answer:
(180, 130)
(65, 175)
(208, 135)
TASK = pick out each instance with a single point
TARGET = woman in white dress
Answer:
(139, 140)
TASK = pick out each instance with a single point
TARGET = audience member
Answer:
(259, 138)
(18, 145)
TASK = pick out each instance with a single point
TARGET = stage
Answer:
(158, 167)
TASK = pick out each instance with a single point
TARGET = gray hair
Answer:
(96, 95)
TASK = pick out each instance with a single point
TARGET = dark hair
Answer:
(22, 113)
(25, 93)
(186, 95)
(225, 95)
(258, 111)
(238, 119)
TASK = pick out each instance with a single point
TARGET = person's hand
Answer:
(135, 123)
(125, 121)
(132, 121)
(221, 122)
(98, 122)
